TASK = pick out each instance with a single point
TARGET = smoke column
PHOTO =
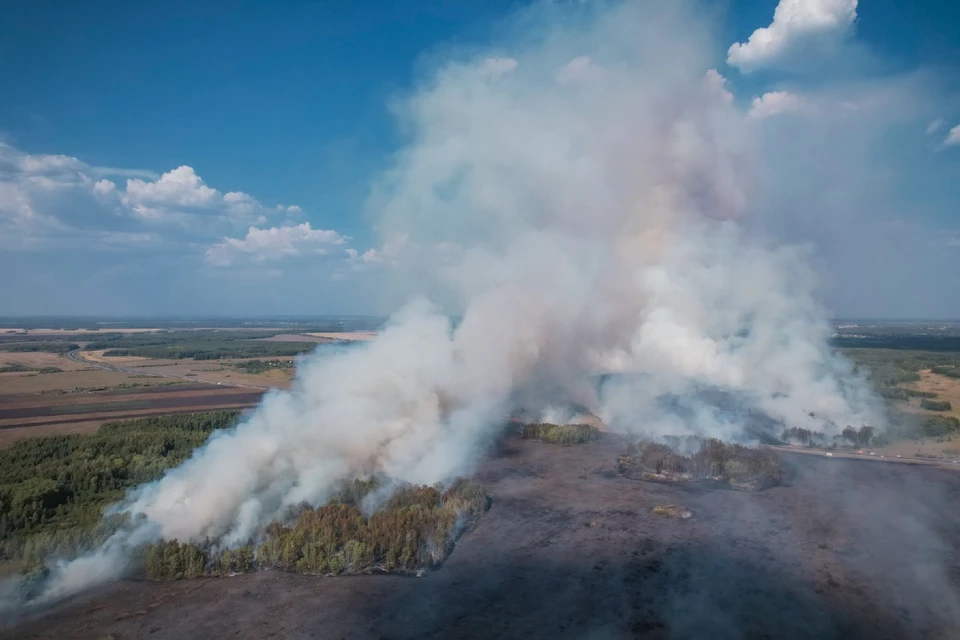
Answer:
(581, 199)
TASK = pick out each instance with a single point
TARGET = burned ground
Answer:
(570, 549)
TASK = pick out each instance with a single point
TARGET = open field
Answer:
(571, 549)
(93, 389)
(38, 360)
(24, 412)
(49, 384)
(349, 336)
(946, 389)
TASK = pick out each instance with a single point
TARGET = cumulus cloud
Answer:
(44, 197)
(262, 245)
(953, 137)
(774, 103)
(180, 193)
(797, 24)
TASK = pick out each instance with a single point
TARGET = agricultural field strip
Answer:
(147, 401)
(74, 355)
(96, 419)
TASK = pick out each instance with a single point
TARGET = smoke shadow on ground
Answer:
(669, 592)
(849, 549)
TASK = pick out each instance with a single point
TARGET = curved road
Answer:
(76, 357)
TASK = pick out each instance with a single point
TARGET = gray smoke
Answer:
(582, 200)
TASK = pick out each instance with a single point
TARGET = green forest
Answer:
(199, 345)
(53, 492)
(38, 345)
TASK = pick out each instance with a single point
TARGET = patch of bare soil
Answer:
(570, 549)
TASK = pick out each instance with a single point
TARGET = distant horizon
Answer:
(113, 319)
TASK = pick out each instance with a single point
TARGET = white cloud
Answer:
(49, 196)
(182, 191)
(934, 126)
(495, 67)
(774, 103)
(795, 23)
(953, 138)
(261, 245)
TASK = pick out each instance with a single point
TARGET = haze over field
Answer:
(592, 199)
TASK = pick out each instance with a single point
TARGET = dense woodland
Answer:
(200, 345)
(52, 346)
(53, 490)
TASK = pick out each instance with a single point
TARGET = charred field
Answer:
(571, 549)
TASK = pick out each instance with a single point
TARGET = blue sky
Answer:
(282, 115)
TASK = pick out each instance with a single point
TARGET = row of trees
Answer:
(416, 528)
(37, 345)
(215, 350)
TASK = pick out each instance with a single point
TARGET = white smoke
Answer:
(586, 209)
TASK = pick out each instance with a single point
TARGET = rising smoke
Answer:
(582, 201)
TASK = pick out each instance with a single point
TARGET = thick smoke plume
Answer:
(581, 201)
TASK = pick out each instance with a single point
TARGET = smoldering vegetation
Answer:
(709, 463)
(415, 529)
(567, 434)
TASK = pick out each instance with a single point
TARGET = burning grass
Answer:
(713, 464)
(566, 434)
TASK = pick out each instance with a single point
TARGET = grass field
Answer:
(946, 388)
(38, 360)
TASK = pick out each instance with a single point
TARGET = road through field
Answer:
(76, 357)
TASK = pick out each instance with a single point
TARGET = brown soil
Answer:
(94, 403)
(30, 415)
(570, 549)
